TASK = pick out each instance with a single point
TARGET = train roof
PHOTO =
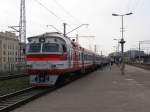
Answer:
(50, 34)
(57, 34)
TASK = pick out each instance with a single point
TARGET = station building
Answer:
(9, 52)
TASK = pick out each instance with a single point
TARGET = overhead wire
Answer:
(133, 5)
(66, 11)
(137, 5)
(54, 14)
(51, 12)
(129, 4)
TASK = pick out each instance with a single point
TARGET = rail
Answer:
(14, 100)
(11, 101)
(12, 76)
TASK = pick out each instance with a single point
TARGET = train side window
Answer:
(79, 56)
(82, 56)
(64, 48)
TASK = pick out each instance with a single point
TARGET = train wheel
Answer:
(60, 80)
(83, 71)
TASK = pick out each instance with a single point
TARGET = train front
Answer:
(46, 58)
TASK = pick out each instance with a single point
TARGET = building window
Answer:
(4, 59)
(4, 46)
(4, 52)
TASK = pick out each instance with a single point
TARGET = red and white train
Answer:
(51, 57)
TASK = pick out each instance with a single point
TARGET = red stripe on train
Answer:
(51, 72)
(55, 71)
(46, 57)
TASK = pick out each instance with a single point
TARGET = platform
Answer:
(102, 91)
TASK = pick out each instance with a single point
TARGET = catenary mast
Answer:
(22, 23)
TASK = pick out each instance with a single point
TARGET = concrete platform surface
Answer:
(102, 91)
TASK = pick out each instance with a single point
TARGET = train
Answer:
(52, 57)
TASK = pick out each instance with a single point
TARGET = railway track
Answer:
(12, 76)
(144, 66)
(11, 101)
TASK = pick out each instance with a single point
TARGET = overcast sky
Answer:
(96, 13)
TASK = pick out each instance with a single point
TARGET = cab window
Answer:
(35, 47)
(50, 47)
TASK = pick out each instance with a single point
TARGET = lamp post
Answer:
(122, 41)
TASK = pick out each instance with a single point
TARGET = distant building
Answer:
(147, 59)
(9, 52)
(133, 55)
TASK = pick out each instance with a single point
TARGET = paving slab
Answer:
(101, 91)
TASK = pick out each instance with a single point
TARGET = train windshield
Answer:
(35, 47)
(50, 47)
